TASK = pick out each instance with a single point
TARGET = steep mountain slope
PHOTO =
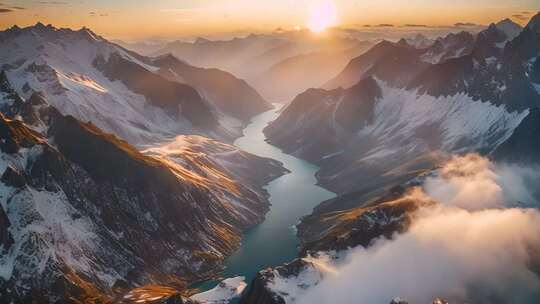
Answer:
(229, 94)
(86, 76)
(394, 62)
(86, 216)
(510, 28)
(470, 103)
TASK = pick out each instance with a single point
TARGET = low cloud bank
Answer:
(475, 246)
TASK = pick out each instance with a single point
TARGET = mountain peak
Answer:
(89, 34)
(42, 27)
(509, 28)
(534, 24)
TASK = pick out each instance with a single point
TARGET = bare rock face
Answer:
(259, 291)
(521, 147)
(13, 178)
(319, 122)
(356, 227)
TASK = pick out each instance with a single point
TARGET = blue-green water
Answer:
(292, 196)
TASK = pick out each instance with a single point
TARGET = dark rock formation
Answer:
(319, 112)
(158, 91)
(230, 94)
(259, 293)
(393, 62)
(382, 217)
(13, 178)
(522, 147)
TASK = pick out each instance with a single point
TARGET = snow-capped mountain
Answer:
(86, 76)
(403, 109)
(86, 216)
(510, 28)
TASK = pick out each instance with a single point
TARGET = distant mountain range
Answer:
(278, 65)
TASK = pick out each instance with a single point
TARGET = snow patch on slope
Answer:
(47, 230)
(223, 293)
(407, 121)
(60, 64)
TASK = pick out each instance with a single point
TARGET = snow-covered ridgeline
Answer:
(458, 123)
(60, 64)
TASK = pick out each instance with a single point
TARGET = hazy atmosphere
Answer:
(270, 152)
(173, 19)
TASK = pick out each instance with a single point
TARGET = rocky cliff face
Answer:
(320, 121)
(85, 216)
(520, 147)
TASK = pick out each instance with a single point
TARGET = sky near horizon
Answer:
(138, 19)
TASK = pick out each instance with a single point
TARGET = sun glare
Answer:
(322, 15)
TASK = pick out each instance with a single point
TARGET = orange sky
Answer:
(165, 18)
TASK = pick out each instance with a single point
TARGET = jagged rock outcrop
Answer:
(328, 119)
(393, 62)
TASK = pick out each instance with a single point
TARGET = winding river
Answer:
(292, 196)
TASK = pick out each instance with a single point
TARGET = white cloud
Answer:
(470, 248)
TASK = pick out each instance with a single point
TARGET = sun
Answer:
(322, 15)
